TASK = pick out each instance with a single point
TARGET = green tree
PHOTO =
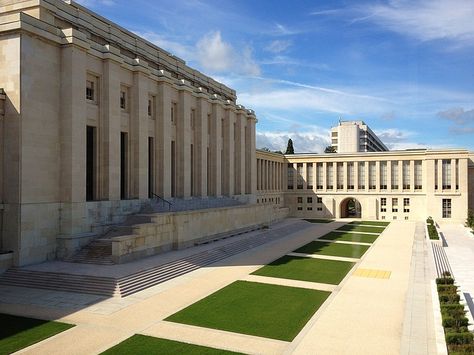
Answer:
(330, 149)
(470, 219)
(289, 147)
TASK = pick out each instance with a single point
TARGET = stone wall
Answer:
(184, 229)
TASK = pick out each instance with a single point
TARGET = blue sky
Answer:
(404, 67)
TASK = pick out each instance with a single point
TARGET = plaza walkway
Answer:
(364, 314)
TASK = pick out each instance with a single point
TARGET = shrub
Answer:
(448, 297)
(452, 307)
(429, 221)
(459, 338)
(461, 349)
(446, 274)
(447, 289)
(445, 281)
(470, 219)
(432, 232)
(452, 322)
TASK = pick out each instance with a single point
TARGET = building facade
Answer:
(97, 120)
(403, 185)
(355, 136)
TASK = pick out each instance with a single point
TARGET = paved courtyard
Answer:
(365, 314)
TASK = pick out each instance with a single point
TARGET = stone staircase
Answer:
(141, 280)
(104, 286)
(441, 260)
(99, 251)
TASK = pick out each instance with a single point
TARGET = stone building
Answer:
(407, 185)
(98, 120)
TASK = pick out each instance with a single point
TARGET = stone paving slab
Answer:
(366, 315)
(214, 338)
(292, 283)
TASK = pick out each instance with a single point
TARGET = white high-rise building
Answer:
(355, 136)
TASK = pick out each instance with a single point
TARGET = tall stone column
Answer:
(325, 176)
(412, 175)
(109, 129)
(356, 176)
(200, 143)
(163, 136)
(366, 176)
(216, 147)
(183, 139)
(73, 137)
(139, 133)
(400, 175)
(228, 151)
(346, 176)
(389, 176)
(305, 176)
(440, 174)
(250, 155)
(240, 152)
(377, 175)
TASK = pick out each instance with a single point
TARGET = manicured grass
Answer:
(144, 345)
(18, 332)
(350, 237)
(319, 220)
(270, 311)
(356, 228)
(371, 223)
(334, 249)
(307, 269)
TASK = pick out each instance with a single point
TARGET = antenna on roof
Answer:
(340, 120)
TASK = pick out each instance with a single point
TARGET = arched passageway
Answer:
(351, 208)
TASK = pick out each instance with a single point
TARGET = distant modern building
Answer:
(355, 136)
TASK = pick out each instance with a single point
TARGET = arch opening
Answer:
(351, 208)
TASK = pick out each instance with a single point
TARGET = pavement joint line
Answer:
(343, 242)
(325, 257)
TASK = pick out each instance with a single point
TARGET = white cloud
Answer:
(278, 46)
(426, 20)
(303, 142)
(93, 3)
(211, 52)
(458, 115)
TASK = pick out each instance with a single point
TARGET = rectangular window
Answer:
(299, 199)
(300, 208)
(383, 175)
(329, 176)
(123, 165)
(309, 200)
(149, 109)
(174, 112)
(418, 175)
(299, 176)
(406, 174)
(394, 176)
(340, 176)
(394, 204)
(406, 205)
(457, 174)
(90, 90)
(446, 174)
(123, 99)
(436, 173)
(361, 176)
(383, 204)
(350, 176)
(290, 176)
(319, 209)
(320, 200)
(309, 208)
(309, 176)
(446, 208)
(192, 118)
(91, 150)
(372, 177)
(319, 176)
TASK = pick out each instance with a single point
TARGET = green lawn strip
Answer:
(265, 310)
(356, 228)
(144, 345)
(318, 220)
(334, 249)
(19, 332)
(350, 237)
(307, 269)
(371, 223)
